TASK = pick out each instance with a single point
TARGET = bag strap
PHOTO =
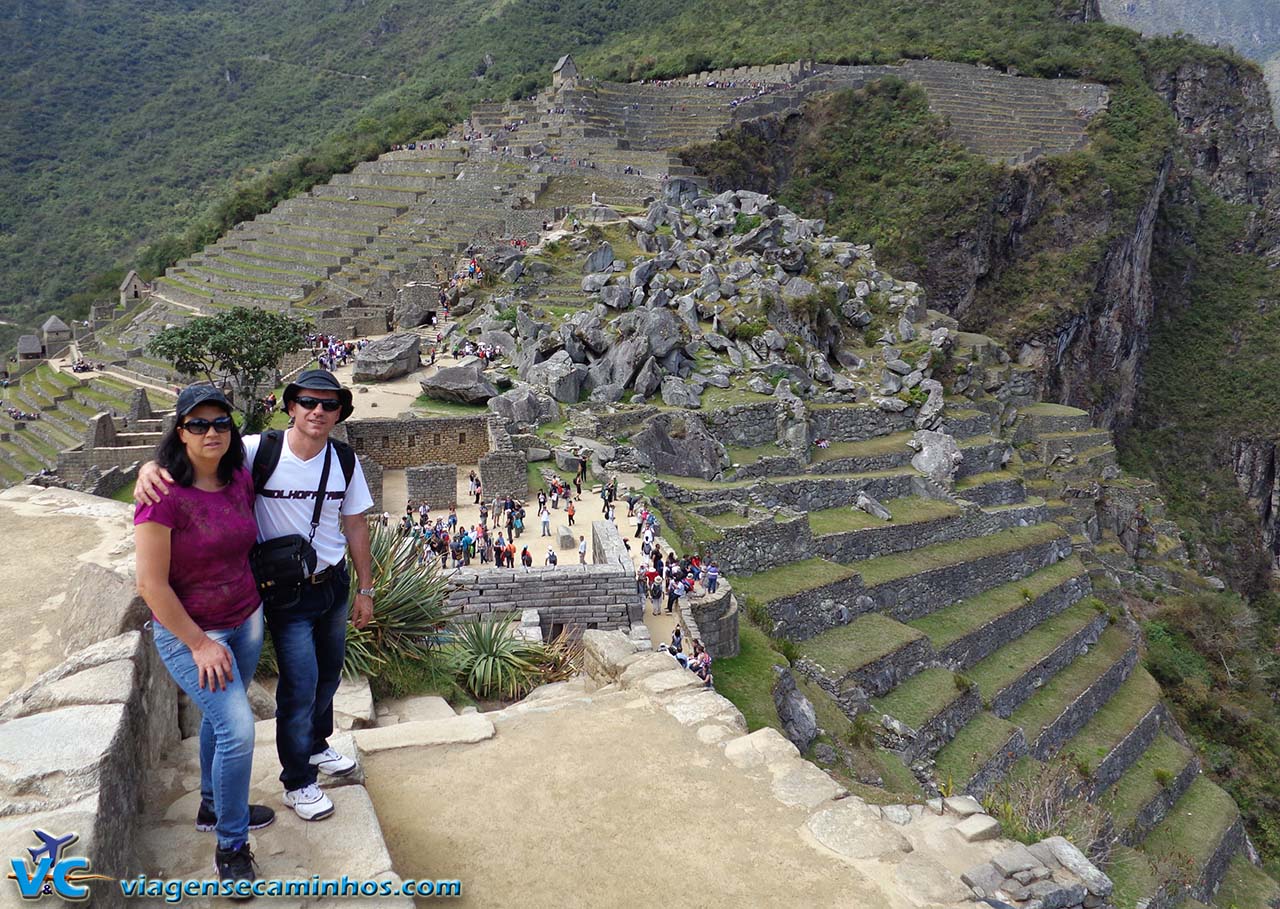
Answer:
(324, 480)
(266, 458)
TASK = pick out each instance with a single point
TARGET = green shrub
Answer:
(1164, 777)
(744, 224)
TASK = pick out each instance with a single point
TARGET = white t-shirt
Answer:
(294, 484)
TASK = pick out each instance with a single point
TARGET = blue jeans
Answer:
(226, 727)
(310, 641)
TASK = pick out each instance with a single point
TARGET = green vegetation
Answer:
(972, 747)
(948, 625)
(921, 697)
(884, 569)
(1246, 887)
(1117, 718)
(1173, 837)
(1143, 781)
(433, 408)
(747, 679)
(1046, 704)
(1013, 660)
(906, 510)
(767, 586)
(864, 640)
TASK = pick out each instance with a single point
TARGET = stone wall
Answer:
(578, 597)
(1051, 739)
(400, 443)
(743, 425)
(1129, 749)
(1159, 807)
(806, 494)
(713, 619)
(505, 473)
(435, 484)
(1007, 699)
(373, 477)
(73, 462)
(778, 540)
(943, 728)
(889, 537)
(996, 767)
(857, 422)
(808, 613)
(987, 639)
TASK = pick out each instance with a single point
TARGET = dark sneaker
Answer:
(236, 865)
(259, 816)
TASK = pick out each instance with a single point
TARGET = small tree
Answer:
(242, 347)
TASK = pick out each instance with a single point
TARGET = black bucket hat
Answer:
(193, 396)
(318, 380)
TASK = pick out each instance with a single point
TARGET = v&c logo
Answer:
(49, 872)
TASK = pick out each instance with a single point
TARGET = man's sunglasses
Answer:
(199, 426)
(306, 402)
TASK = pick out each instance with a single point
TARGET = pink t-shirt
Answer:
(209, 549)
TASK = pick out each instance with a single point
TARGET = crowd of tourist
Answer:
(83, 365)
(332, 351)
(22, 416)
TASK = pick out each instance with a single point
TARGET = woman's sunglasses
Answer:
(306, 402)
(199, 426)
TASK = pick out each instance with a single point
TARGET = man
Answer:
(309, 637)
(582, 550)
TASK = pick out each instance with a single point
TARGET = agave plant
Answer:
(408, 614)
(491, 661)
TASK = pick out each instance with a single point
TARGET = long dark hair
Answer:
(171, 454)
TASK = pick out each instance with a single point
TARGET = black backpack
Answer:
(268, 456)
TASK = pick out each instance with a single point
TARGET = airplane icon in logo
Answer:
(52, 846)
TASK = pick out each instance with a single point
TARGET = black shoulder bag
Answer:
(281, 566)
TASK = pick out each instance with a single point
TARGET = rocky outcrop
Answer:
(463, 384)
(679, 444)
(387, 358)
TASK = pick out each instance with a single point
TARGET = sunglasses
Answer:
(306, 402)
(199, 426)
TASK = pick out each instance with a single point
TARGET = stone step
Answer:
(34, 447)
(1061, 708)
(979, 756)
(334, 241)
(935, 704)
(172, 288)
(1088, 464)
(1145, 793)
(879, 453)
(872, 652)
(1246, 886)
(995, 488)
(354, 193)
(972, 629)
(982, 455)
(271, 245)
(1014, 672)
(909, 585)
(258, 257)
(199, 274)
(1044, 417)
(1118, 733)
(1204, 830)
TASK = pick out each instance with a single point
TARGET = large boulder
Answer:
(387, 358)
(600, 260)
(675, 393)
(679, 444)
(937, 455)
(560, 376)
(661, 330)
(649, 378)
(799, 721)
(523, 405)
(462, 384)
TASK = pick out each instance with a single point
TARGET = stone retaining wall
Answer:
(987, 639)
(435, 484)
(73, 462)
(1232, 842)
(1052, 737)
(578, 597)
(882, 675)
(1130, 748)
(778, 540)
(1005, 492)
(400, 443)
(997, 766)
(1007, 699)
(928, 591)
(1159, 807)
(743, 425)
(808, 613)
(713, 619)
(940, 730)
(857, 422)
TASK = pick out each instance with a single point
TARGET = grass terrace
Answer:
(906, 510)
(894, 443)
(1247, 887)
(1117, 718)
(1047, 704)
(747, 679)
(972, 747)
(884, 569)
(1194, 827)
(946, 626)
(1142, 781)
(755, 453)
(862, 641)
(1013, 660)
(716, 398)
(1134, 878)
(430, 407)
(767, 586)
(921, 697)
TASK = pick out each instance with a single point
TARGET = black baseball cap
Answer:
(318, 380)
(193, 396)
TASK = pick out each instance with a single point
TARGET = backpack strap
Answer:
(346, 458)
(266, 458)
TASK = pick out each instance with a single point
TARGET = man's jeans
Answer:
(310, 640)
(226, 729)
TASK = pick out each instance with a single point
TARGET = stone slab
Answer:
(459, 730)
(978, 827)
(853, 830)
(353, 704)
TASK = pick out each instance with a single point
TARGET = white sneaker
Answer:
(333, 763)
(309, 802)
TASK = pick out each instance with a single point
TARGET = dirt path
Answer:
(607, 804)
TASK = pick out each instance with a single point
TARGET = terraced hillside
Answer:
(66, 402)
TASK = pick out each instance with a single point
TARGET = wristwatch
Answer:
(365, 592)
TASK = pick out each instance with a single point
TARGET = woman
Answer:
(193, 571)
